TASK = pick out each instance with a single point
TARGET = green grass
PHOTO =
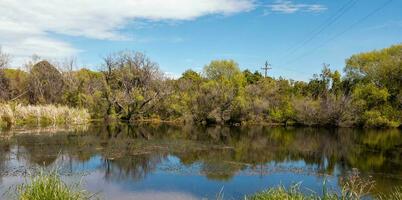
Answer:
(294, 193)
(49, 186)
(282, 193)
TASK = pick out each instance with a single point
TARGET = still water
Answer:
(173, 162)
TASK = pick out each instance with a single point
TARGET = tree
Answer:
(17, 83)
(45, 84)
(4, 82)
(383, 68)
(134, 84)
(336, 87)
(252, 78)
(221, 95)
(371, 103)
(375, 78)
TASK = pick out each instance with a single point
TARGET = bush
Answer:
(377, 119)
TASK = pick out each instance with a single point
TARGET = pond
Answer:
(174, 162)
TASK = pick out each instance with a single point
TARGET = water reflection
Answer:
(131, 153)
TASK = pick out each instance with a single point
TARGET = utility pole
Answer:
(266, 68)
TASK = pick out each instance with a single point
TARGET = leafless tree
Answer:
(4, 59)
(135, 84)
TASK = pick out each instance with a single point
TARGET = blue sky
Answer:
(182, 35)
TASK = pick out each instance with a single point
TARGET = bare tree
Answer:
(4, 59)
(134, 84)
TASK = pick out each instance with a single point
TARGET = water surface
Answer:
(172, 162)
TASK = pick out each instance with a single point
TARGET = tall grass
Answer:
(396, 194)
(353, 187)
(18, 114)
(282, 193)
(294, 193)
(49, 186)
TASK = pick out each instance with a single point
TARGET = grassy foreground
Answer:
(17, 114)
(294, 193)
(49, 186)
(353, 187)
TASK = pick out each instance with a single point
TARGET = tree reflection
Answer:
(132, 152)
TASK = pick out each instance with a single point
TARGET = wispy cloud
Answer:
(289, 7)
(26, 24)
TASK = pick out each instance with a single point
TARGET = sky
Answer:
(295, 36)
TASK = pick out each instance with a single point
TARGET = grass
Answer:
(42, 115)
(294, 193)
(395, 195)
(282, 193)
(49, 186)
(353, 187)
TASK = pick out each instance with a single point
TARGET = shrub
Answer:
(377, 119)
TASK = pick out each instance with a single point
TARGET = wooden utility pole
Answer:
(266, 68)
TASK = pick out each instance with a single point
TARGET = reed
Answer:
(396, 194)
(17, 114)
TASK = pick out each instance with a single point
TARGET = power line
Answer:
(375, 11)
(321, 28)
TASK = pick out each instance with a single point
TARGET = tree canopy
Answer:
(130, 86)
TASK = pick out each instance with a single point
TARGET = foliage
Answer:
(4, 82)
(45, 84)
(130, 86)
(133, 85)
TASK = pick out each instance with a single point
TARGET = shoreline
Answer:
(37, 127)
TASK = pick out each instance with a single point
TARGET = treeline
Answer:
(131, 87)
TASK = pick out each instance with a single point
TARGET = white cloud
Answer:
(288, 7)
(26, 26)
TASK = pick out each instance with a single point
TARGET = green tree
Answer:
(220, 96)
(383, 68)
(370, 101)
(252, 78)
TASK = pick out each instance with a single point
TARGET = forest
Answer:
(129, 86)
